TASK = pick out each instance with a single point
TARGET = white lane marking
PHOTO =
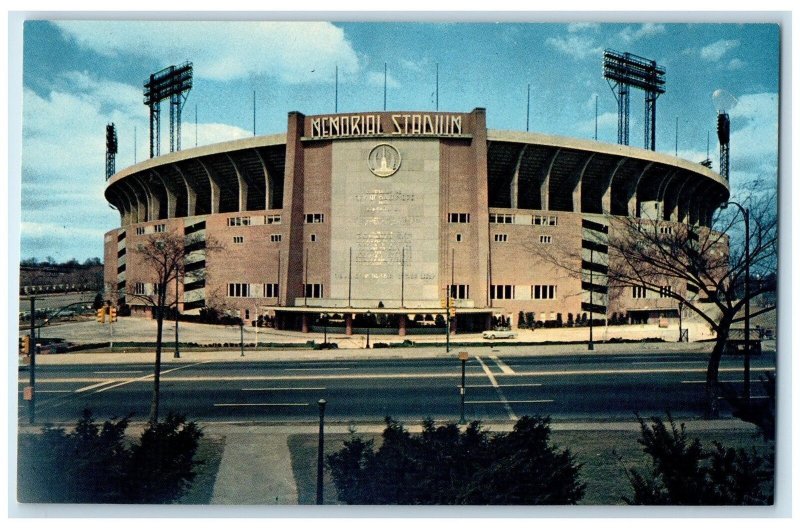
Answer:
(511, 414)
(703, 381)
(285, 389)
(116, 372)
(539, 401)
(502, 365)
(752, 397)
(316, 368)
(150, 376)
(94, 386)
(51, 391)
(671, 362)
(504, 385)
(234, 405)
(574, 372)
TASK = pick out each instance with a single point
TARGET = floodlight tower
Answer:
(724, 101)
(111, 150)
(173, 83)
(626, 70)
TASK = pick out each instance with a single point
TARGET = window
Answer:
(271, 290)
(247, 314)
(315, 218)
(665, 291)
(160, 228)
(275, 237)
(273, 219)
(458, 237)
(543, 291)
(545, 220)
(500, 237)
(139, 288)
(313, 237)
(313, 290)
(502, 291)
(238, 221)
(665, 230)
(459, 291)
(238, 240)
(140, 230)
(501, 218)
(545, 239)
(639, 292)
(458, 218)
(238, 290)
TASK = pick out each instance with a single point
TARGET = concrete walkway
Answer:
(256, 469)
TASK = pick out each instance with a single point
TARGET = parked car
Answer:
(499, 333)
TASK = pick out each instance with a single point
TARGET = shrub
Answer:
(683, 473)
(94, 464)
(444, 466)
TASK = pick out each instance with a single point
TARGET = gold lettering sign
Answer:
(366, 125)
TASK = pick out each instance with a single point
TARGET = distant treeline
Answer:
(49, 276)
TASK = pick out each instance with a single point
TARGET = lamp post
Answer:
(746, 215)
(324, 317)
(463, 356)
(177, 347)
(591, 299)
(368, 324)
(320, 449)
(241, 334)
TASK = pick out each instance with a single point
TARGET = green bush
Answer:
(95, 464)
(445, 466)
(682, 472)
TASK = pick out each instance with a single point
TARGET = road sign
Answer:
(463, 356)
(27, 393)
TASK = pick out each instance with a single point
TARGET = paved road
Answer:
(584, 387)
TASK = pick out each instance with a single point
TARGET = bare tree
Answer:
(702, 269)
(163, 257)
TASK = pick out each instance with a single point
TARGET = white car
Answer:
(499, 333)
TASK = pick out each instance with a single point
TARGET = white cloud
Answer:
(582, 26)
(376, 79)
(413, 66)
(295, 52)
(716, 50)
(736, 64)
(575, 46)
(630, 35)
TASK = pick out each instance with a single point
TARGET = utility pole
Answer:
(177, 347)
(320, 450)
(463, 356)
(30, 394)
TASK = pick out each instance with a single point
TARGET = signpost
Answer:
(463, 356)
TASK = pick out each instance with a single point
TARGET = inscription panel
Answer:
(385, 231)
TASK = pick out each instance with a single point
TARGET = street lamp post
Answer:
(177, 347)
(241, 335)
(325, 331)
(746, 215)
(368, 324)
(463, 356)
(591, 299)
(320, 449)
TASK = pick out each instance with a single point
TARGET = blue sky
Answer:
(80, 75)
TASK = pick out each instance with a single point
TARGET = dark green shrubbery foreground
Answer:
(95, 464)
(684, 473)
(445, 466)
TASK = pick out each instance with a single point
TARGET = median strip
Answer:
(250, 404)
(285, 389)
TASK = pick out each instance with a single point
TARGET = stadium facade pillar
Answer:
(305, 326)
(348, 324)
(401, 331)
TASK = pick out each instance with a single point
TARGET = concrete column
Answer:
(348, 324)
(402, 327)
(305, 322)
(487, 325)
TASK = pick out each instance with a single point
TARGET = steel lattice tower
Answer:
(724, 135)
(111, 150)
(173, 83)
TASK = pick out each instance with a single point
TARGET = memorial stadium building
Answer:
(400, 215)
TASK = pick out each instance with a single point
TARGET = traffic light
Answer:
(101, 315)
(112, 314)
(25, 346)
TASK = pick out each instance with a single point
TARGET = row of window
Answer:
(503, 237)
(157, 228)
(275, 237)
(537, 291)
(640, 292)
(253, 221)
(248, 290)
(508, 218)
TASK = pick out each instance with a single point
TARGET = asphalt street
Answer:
(566, 387)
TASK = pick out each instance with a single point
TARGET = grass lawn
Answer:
(604, 456)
